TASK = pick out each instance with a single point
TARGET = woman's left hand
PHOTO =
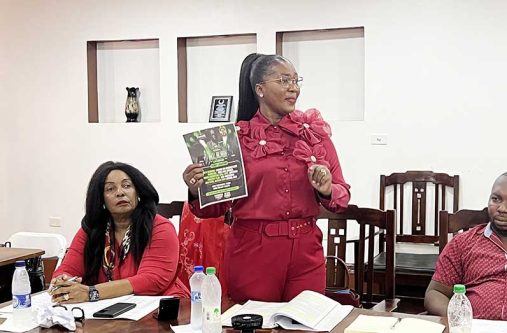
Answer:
(321, 179)
(70, 292)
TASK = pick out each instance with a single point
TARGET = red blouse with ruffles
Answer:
(276, 159)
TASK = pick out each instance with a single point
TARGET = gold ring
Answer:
(66, 296)
(192, 180)
(323, 172)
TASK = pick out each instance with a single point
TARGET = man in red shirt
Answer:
(476, 258)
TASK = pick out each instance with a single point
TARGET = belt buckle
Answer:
(272, 229)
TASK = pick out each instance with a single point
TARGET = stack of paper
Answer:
(144, 305)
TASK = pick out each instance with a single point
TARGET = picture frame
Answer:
(220, 109)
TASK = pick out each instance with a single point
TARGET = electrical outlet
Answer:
(378, 139)
(55, 221)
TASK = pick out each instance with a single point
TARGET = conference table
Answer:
(8, 257)
(150, 324)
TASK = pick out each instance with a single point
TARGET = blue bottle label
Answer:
(21, 301)
(196, 296)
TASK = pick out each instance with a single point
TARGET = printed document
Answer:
(217, 150)
(144, 305)
(308, 311)
(488, 326)
(380, 324)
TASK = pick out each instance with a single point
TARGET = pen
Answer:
(74, 278)
(396, 323)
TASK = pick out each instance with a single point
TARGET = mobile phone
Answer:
(114, 310)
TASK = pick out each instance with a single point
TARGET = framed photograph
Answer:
(220, 109)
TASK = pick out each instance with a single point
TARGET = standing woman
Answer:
(275, 248)
(123, 246)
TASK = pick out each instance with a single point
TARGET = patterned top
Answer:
(478, 260)
(276, 159)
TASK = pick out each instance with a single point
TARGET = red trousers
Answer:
(274, 261)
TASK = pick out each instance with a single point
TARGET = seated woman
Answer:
(123, 246)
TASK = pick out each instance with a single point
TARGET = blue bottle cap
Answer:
(198, 268)
(20, 263)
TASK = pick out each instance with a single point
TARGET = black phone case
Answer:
(114, 310)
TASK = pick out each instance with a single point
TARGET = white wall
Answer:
(435, 83)
(128, 64)
(210, 64)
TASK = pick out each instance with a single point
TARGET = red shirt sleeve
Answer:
(449, 269)
(73, 263)
(158, 267)
(340, 194)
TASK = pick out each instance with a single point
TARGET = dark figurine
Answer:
(132, 105)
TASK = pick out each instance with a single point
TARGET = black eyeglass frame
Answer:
(81, 317)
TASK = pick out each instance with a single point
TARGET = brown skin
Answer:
(275, 102)
(120, 197)
(437, 298)
(497, 209)
(438, 295)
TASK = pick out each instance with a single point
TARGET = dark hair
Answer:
(96, 217)
(253, 70)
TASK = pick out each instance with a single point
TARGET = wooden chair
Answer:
(169, 210)
(417, 197)
(375, 290)
(462, 220)
(419, 202)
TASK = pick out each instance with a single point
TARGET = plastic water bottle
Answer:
(21, 298)
(196, 300)
(211, 303)
(459, 311)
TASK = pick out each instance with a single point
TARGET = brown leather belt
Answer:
(291, 228)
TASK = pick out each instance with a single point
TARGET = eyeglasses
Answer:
(286, 82)
(77, 312)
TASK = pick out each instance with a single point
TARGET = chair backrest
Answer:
(418, 205)
(371, 222)
(54, 245)
(169, 210)
(462, 220)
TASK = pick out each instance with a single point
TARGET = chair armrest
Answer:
(387, 305)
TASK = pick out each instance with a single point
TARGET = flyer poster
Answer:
(217, 149)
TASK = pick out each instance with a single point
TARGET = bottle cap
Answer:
(198, 268)
(210, 270)
(20, 263)
(459, 289)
